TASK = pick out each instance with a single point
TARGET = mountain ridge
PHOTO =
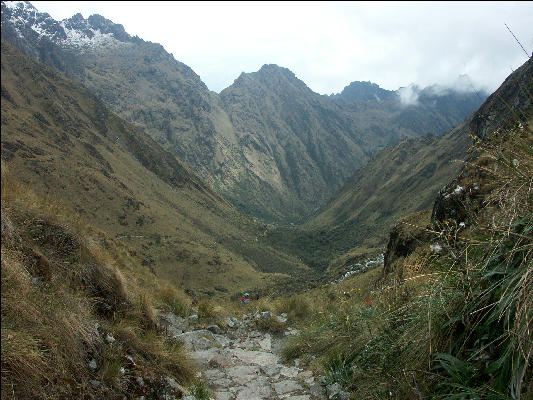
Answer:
(230, 143)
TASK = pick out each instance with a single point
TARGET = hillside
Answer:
(449, 314)
(60, 140)
(268, 143)
(396, 182)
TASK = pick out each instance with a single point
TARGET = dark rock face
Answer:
(403, 240)
(510, 104)
(450, 203)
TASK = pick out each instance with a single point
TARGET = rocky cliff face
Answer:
(276, 149)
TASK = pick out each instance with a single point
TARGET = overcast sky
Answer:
(328, 45)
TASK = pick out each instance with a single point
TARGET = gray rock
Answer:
(254, 357)
(224, 341)
(213, 328)
(197, 340)
(173, 324)
(213, 374)
(341, 396)
(281, 318)
(335, 392)
(270, 370)
(92, 364)
(193, 318)
(266, 343)
(140, 381)
(265, 315)
(317, 390)
(173, 385)
(222, 383)
(223, 395)
(210, 357)
(255, 391)
(289, 372)
(232, 322)
(286, 386)
(95, 384)
(243, 374)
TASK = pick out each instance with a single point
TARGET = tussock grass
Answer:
(174, 300)
(63, 284)
(296, 307)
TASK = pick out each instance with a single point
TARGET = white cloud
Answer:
(329, 45)
(409, 95)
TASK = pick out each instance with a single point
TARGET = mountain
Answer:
(268, 143)
(301, 144)
(413, 111)
(61, 141)
(453, 301)
(399, 181)
(364, 91)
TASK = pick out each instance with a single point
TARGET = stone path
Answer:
(240, 363)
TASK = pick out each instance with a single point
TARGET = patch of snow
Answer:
(13, 5)
(76, 38)
(458, 189)
(23, 16)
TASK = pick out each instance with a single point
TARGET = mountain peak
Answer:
(359, 90)
(75, 31)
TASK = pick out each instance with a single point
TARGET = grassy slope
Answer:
(66, 286)
(61, 141)
(396, 182)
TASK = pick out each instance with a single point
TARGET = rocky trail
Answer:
(241, 363)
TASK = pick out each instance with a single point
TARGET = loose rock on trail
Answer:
(240, 363)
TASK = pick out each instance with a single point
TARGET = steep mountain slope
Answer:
(276, 164)
(61, 141)
(411, 111)
(398, 181)
(302, 145)
(449, 316)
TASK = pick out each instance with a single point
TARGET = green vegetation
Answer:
(448, 324)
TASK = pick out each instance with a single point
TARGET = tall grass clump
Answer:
(490, 351)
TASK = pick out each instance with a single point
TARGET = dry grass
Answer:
(174, 300)
(61, 280)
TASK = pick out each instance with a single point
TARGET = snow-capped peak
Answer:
(77, 32)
